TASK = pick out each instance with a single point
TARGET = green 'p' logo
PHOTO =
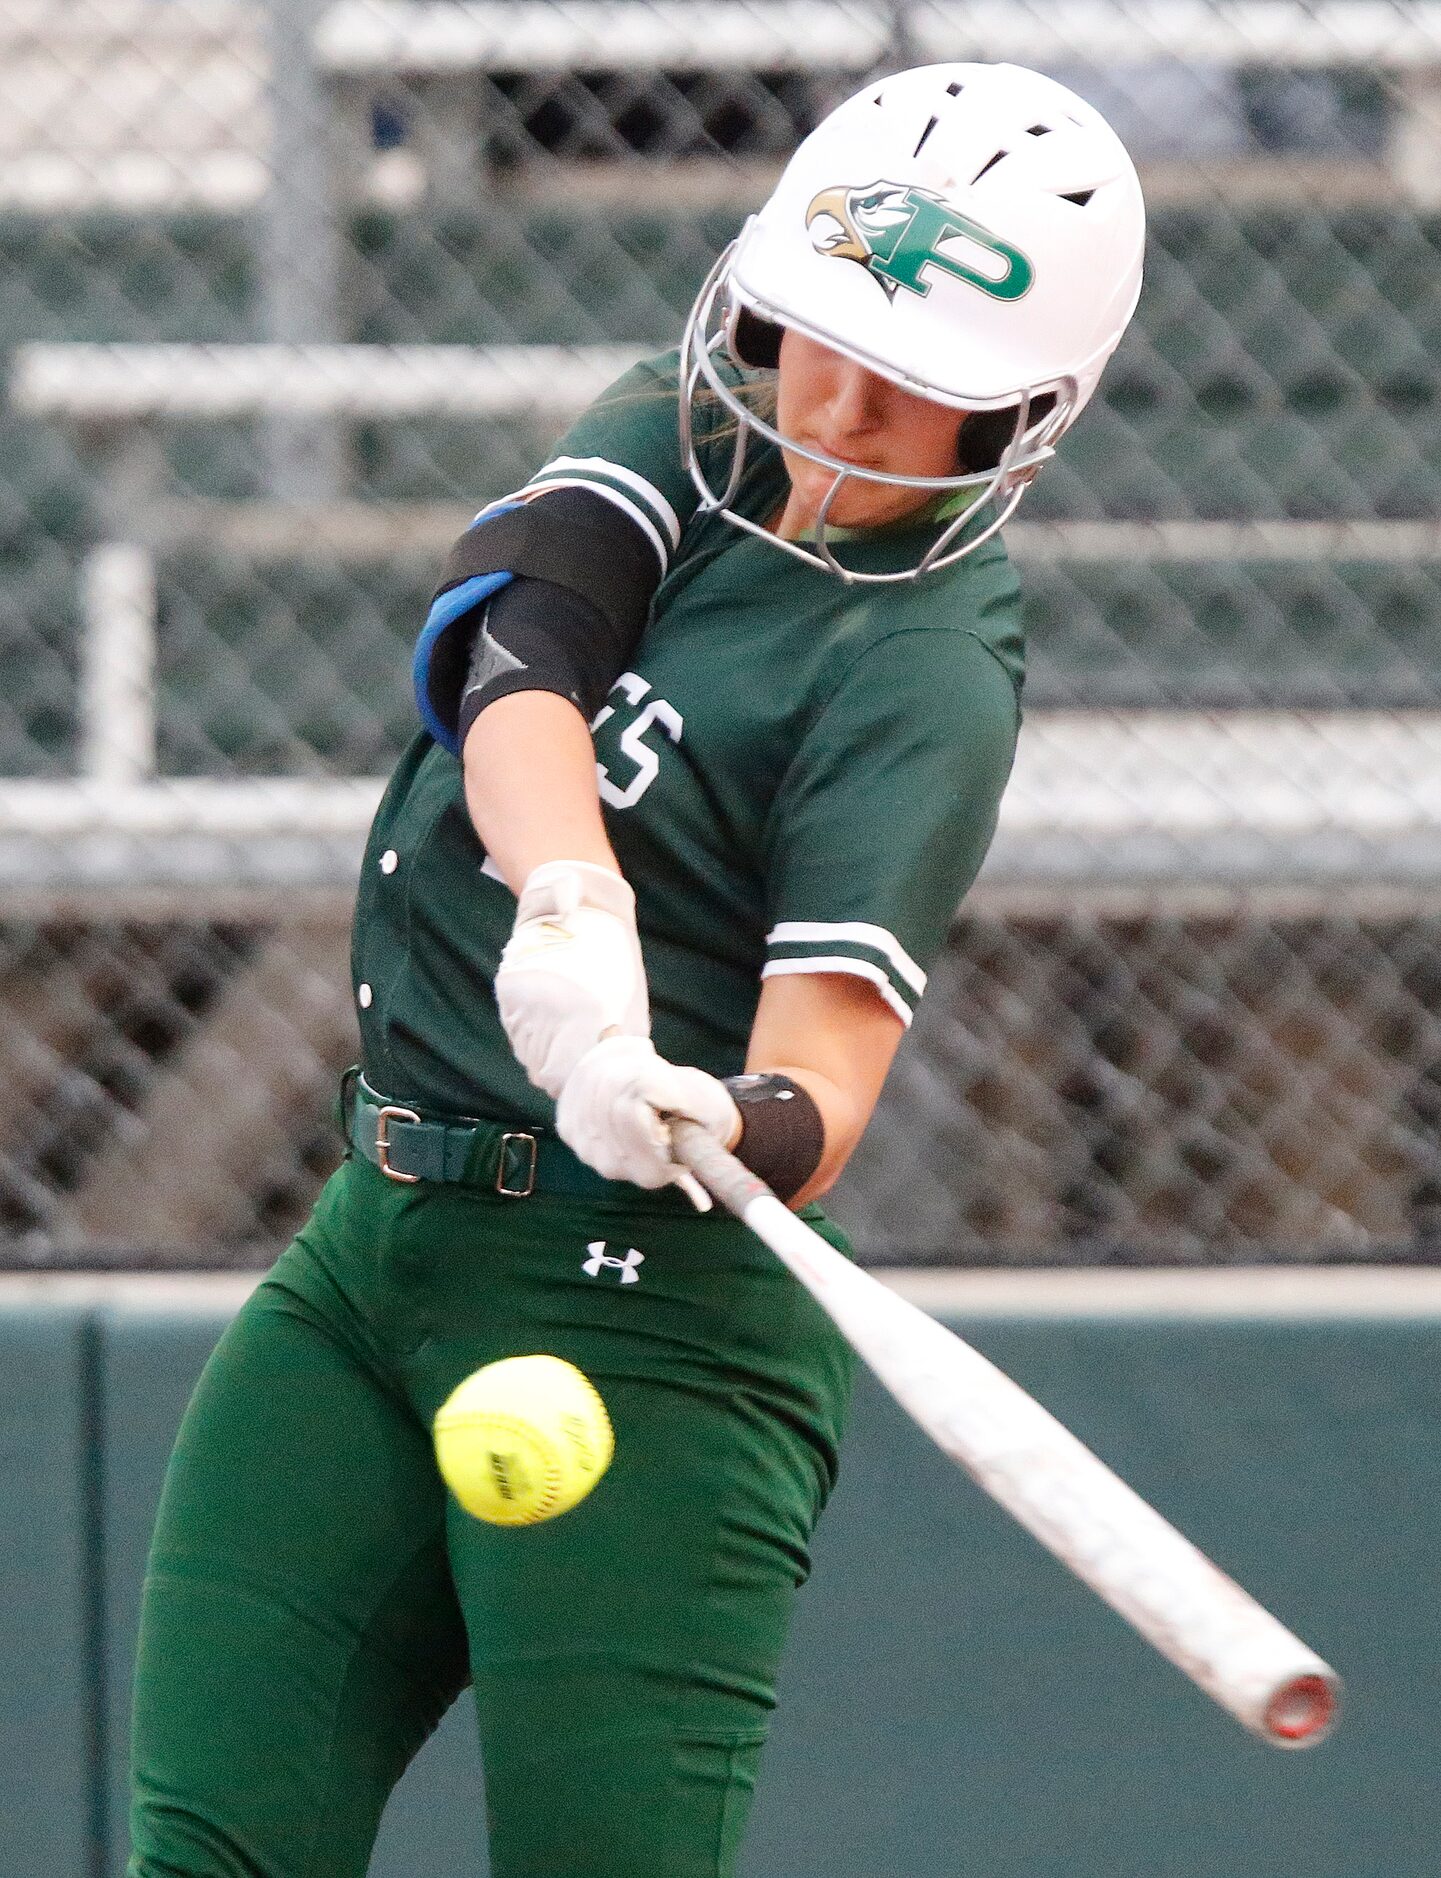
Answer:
(905, 237)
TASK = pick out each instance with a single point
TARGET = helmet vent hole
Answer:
(1080, 198)
(924, 134)
(990, 164)
(1039, 130)
(955, 90)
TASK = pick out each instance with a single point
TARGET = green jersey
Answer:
(798, 775)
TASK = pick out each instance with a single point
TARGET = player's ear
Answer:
(985, 434)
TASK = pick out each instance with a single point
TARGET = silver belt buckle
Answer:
(517, 1193)
(383, 1118)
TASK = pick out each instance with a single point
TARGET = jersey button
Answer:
(389, 861)
(363, 997)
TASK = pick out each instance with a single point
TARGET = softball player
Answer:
(718, 712)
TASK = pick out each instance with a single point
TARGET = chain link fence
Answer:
(289, 289)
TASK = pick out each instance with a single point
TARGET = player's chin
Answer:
(867, 506)
(854, 505)
(857, 504)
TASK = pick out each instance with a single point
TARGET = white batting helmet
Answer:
(973, 233)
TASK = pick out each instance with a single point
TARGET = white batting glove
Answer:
(571, 972)
(611, 1113)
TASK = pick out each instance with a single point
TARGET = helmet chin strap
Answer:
(998, 489)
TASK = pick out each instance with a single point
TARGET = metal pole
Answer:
(300, 246)
(117, 664)
(1416, 135)
(901, 52)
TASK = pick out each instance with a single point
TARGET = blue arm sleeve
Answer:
(442, 652)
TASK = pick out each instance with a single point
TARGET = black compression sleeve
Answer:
(573, 537)
(782, 1134)
(536, 636)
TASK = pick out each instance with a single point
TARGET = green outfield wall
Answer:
(954, 1703)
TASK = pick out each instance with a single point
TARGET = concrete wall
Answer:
(954, 1702)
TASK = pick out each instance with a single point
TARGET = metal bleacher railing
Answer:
(293, 290)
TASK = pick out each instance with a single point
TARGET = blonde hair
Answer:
(757, 391)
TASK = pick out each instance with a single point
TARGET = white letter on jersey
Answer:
(632, 741)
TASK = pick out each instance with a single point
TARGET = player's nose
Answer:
(856, 401)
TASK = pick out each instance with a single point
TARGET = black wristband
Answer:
(782, 1134)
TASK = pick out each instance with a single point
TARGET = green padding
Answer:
(46, 1803)
(149, 1364)
(957, 1704)
(435, 1823)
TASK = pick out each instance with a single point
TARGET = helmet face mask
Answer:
(972, 234)
(991, 493)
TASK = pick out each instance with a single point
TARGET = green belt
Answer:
(516, 1162)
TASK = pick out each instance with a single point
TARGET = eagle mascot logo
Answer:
(903, 236)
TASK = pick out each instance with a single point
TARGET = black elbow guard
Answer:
(534, 635)
(570, 539)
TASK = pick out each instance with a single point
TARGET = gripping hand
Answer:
(571, 972)
(611, 1113)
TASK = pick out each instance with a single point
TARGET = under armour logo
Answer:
(601, 1260)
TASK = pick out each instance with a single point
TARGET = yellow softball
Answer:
(523, 1439)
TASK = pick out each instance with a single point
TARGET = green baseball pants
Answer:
(315, 1601)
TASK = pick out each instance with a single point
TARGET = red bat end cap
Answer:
(1302, 1711)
